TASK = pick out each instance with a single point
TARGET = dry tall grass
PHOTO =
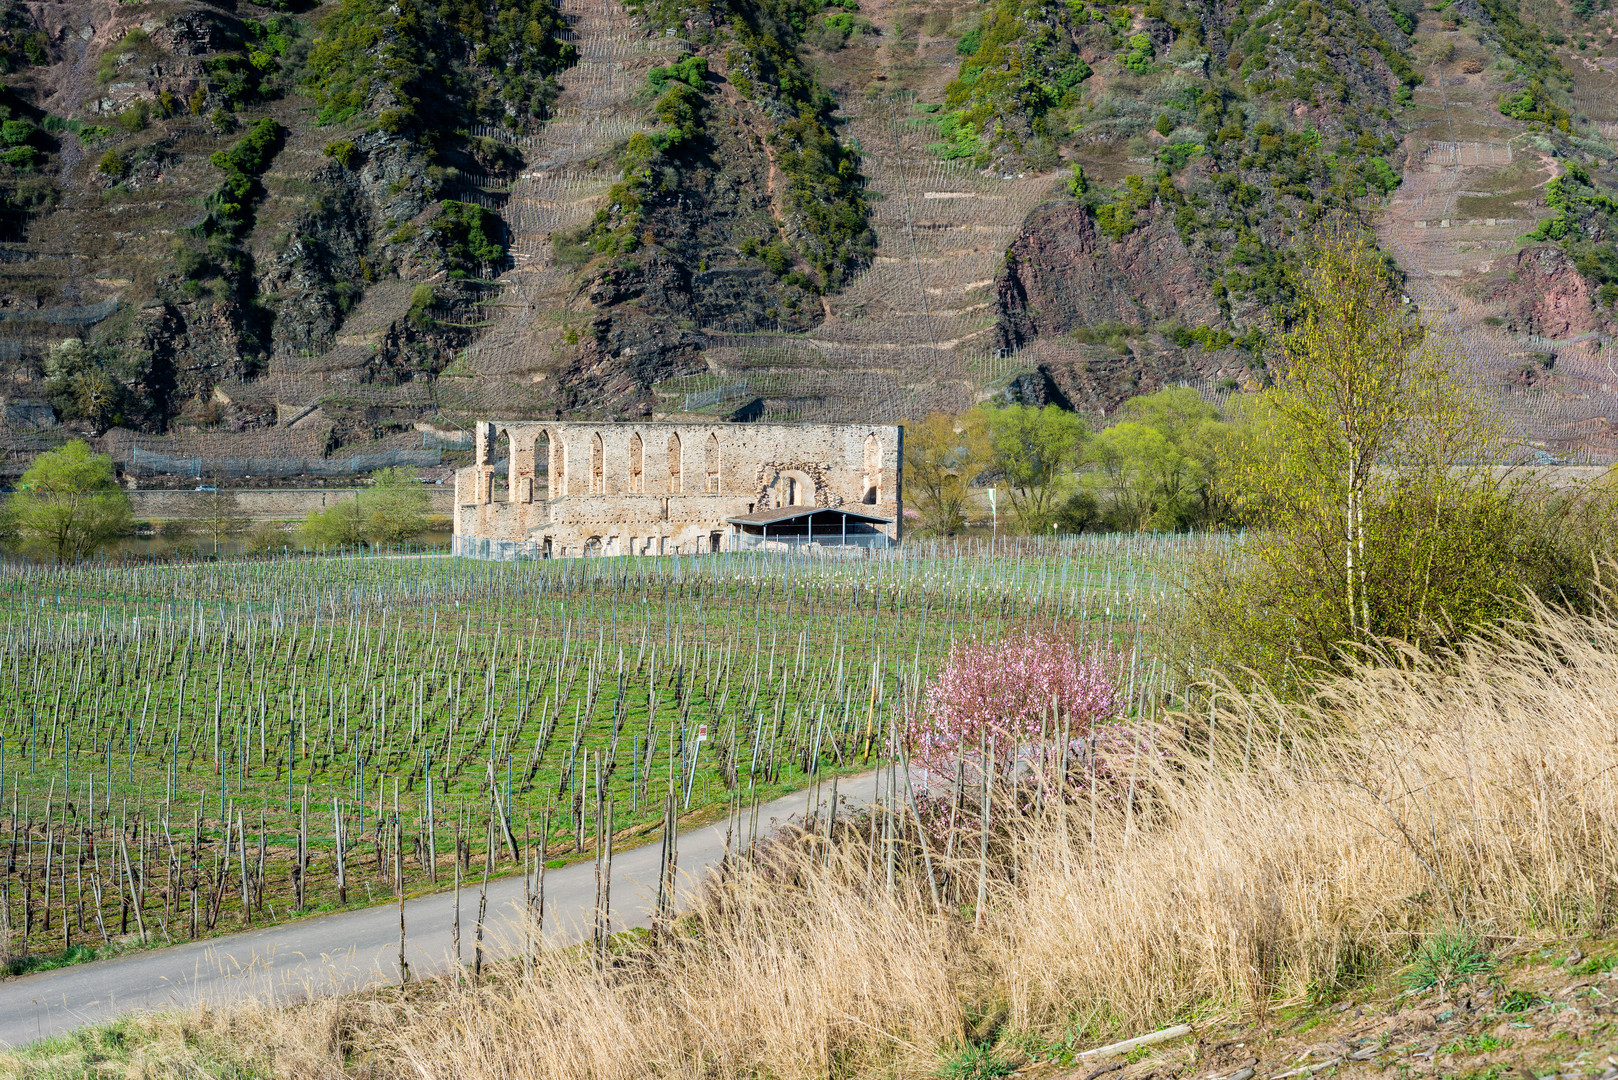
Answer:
(1310, 844)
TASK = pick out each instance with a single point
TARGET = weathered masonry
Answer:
(555, 490)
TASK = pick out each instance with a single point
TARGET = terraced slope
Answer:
(915, 332)
(1520, 319)
(570, 166)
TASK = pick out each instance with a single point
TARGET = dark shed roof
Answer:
(793, 513)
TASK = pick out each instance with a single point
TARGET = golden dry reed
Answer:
(1295, 848)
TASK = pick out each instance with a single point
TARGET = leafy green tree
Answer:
(395, 507)
(1142, 473)
(943, 455)
(1366, 471)
(68, 505)
(1364, 406)
(338, 526)
(1035, 452)
(1159, 465)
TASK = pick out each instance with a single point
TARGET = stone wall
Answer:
(656, 488)
(164, 505)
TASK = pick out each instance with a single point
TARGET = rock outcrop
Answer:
(1062, 274)
(1544, 295)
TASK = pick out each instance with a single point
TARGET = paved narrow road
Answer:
(347, 951)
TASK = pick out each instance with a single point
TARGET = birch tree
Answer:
(1368, 470)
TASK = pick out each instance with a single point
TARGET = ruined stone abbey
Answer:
(561, 490)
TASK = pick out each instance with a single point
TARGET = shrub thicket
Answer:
(1585, 223)
(230, 209)
(1365, 469)
(1019, 65)
(398, 58)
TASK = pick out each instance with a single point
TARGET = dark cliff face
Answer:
(1061, 275)
(321, 267)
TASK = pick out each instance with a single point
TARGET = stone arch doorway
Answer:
(794, 487)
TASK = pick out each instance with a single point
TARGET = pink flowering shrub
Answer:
(1019, 694)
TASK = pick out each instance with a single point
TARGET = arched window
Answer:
(674, 463)
(542, 466)
(636, 453)
(598, 479)
(873, 470)
(711, 464)
(503, 464)
(524, 464)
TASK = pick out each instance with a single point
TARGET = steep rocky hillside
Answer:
(241, 230)
(220, 215)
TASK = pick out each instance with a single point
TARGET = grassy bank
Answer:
(1420, 838)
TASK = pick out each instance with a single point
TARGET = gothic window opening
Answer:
(873, 471)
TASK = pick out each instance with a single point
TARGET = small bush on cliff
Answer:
(422, 299)
(230, 209)
(469, 236)
(693, 71)
(343, 152)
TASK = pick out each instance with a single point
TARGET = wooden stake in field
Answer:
(483, 909)
(455, 927)
(398, 878)
(983, 837)
(337, 833)
(670, 859)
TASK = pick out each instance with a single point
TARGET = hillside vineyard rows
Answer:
(321, 731)
(335, 223)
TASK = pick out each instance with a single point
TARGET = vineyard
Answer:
(191, 750)
(1473, 188)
